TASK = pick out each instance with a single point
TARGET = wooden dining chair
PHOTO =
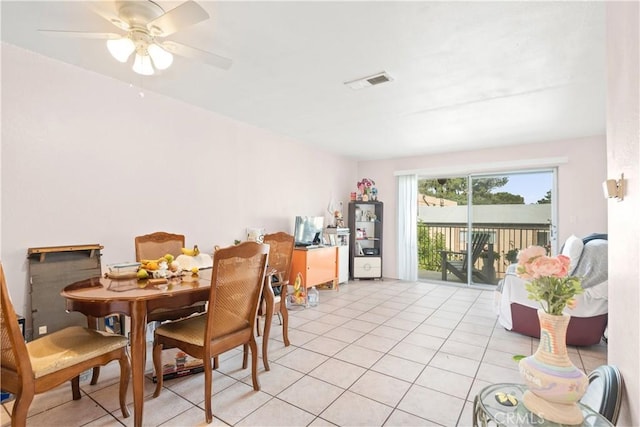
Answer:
(280, 253)
(45, 363)
(154, 246)
(236, 285)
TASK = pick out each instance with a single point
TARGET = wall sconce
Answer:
(614, 188)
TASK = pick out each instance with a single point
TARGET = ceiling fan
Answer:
(146, 25)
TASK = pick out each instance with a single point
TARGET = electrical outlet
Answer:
(42, 330)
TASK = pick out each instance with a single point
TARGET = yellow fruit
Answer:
(191, 252)
(194, 271)
(151, 265)
(169, 258)
(142, 274)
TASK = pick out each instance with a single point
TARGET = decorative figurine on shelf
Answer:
(367, 190)
(337, 215)
(335, 210)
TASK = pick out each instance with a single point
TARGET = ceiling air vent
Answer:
(369, 81)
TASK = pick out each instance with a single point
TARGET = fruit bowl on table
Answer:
(165, 274)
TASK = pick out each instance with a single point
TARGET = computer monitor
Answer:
(308, 230)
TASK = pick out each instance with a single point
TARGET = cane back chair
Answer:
(154, 246)
(280, 253)
(236, 285)
(47, 362)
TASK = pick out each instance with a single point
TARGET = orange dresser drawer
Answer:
(317, 265)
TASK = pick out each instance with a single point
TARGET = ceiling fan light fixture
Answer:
(121, 49)
(143, 21)
(142, 65)
(161, 58)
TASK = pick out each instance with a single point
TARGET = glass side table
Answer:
(501, 405)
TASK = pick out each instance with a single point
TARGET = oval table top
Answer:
(105, 288)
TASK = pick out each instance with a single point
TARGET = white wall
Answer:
(623, 154)
(582, 207)
(86, 160)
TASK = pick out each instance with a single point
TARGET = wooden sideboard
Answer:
(317, 266)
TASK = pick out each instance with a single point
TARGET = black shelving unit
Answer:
(365, 248)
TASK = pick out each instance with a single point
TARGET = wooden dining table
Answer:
(102, 296)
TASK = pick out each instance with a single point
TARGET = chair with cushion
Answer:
(280, 253)
(589, 255)
(154, 246)
(604, 393)
(236, 286)
(47, 362)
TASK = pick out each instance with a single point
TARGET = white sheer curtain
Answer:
(407, 227)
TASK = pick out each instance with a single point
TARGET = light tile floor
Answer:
(376, 353)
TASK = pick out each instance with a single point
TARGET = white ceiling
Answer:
(467, 74)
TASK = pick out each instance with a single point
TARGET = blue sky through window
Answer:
(531, 186)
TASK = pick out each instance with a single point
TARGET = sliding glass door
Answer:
(471, 228)
(442, 216)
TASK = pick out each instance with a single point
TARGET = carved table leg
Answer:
(138, 357)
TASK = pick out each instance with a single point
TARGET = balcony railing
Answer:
(505, 241)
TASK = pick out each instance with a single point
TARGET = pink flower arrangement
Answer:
(366, 185)
(549, 282)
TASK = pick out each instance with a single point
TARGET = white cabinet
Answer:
(368, 267)
(340, 237)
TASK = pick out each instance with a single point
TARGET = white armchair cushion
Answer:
(592, 302)
(573, 249)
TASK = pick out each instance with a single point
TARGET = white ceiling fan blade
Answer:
(107, 12)
(200, 55)
(80, 34)
(188, 13)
